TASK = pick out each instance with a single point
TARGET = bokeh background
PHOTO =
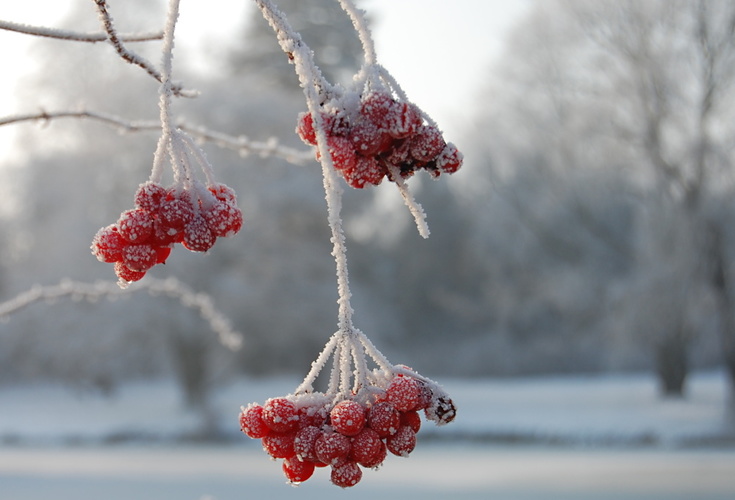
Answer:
(577, 290)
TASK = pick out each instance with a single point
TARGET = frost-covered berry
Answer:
(279, 444)
(251, 422)
(342, 153)
(305, 128)
(107, 244)
(426, 144)
(139, 257)
(126, 274)
(404, 393)
(176, 213)
(384, 418)
(346, 474)
(402, 442)
(330, 447)
(375, 106)
(198, 237)
(450, 159)
(366, 447)
(367, 170)
(411, 419)
(297, 471)
(149, 196)
(223, 219)
(312, 415)
(304, 442)
(348, 417)
(280, 415)
(135, 226)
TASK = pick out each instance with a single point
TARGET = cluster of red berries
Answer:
(143, 236)
(383, 135)
(307, 433)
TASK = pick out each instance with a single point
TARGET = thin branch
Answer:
(171, 287)
(76, 36)
(130, 56)
(241, 144)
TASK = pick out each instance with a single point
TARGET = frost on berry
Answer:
(348, 417)
(107, 244)
(280, 415)
(198, 237)
(450, 159)
(304, 442)
(426, 144)
(149, 196)
(280, 444)
(305, 128)
(176, 213)
(135, 226)
(402, 442)
(297, 471)
(411, 419)
(404, 393)
(251, 422)
(441, 411)
(330, 447)
(384, 418)
(367, 447)
(139, 257)
(346, 474)
(223, 219)
(126, 274)
(312, 415)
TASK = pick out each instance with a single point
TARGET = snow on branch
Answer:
(201, 303)
(241, 144)
(76, 36)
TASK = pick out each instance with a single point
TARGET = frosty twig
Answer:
(76, 36)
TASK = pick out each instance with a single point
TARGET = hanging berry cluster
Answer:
(378, 136)
(347, 430)
(143, 236)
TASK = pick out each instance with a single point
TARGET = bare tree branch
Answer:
(242, 144)
(132, 57)
(76, 36)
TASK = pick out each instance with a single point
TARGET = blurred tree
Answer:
(643, 88)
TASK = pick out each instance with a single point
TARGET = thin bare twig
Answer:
(76, 36)
(242, 144)
(130, 56)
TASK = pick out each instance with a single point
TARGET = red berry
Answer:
(368, 139)
(136, 225)
(384, 419)
(375, 106)
(366, 447)
(346, 474)
(411, 419)
(304, 442)
(176, 213)
(426, 143)
(280, 415)
(297, 471)
(223, 192)
(305, 128)
(402, 442)
(404, 393)
(162, 254)
(312, 415)
(107, 244)
(330, 447)
(279, 445)
(251, 422)
(139, 257)
(368, 170)
(223, 219)
(149, 196)
(377, 459)
(126, 274)
(342, 152)
(197, 235)
(348, 417)
(450, 159)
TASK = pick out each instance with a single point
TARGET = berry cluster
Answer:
(381, 137)
(143, 236)
(309, 432)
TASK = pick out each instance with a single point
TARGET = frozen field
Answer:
(433, 472)
(569, 438)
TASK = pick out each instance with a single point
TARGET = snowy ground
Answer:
(547, 438)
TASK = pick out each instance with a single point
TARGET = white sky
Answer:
(438, 50)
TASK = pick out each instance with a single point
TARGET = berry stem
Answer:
(358, 21)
